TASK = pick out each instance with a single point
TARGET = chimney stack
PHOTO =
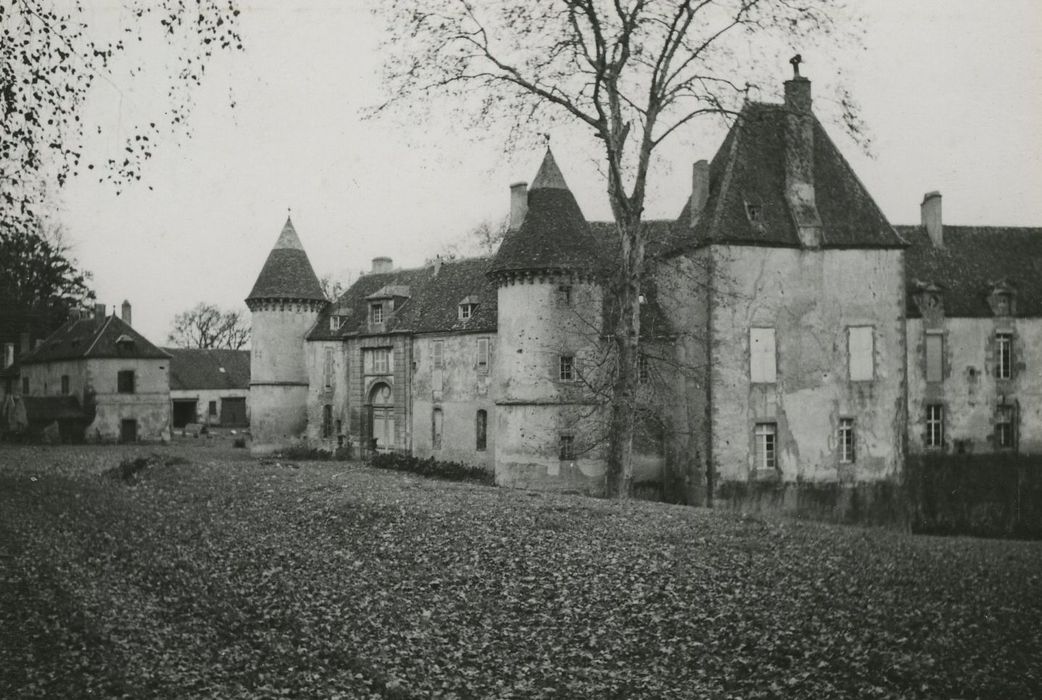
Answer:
(799, 158)
(382, 264)
(930, 215)
(699, 189)
(99, 311)
(518, 204)
(126, 312)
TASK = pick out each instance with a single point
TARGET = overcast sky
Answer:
(951, 91)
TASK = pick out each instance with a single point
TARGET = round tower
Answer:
(284, 305)
(549, 433)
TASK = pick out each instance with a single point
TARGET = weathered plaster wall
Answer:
(278, 374)
(149, 405)
(533, 406)
(681, 283)
(363, 377)
(970, 391)
(45, 378)
(328, 387)
(460, 387)
(810, 298)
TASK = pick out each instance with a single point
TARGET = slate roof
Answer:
(749, 167)
(431, 307)
(287, 273)
(972, 260)
(554, 234)
(94, 338)
(201, 368)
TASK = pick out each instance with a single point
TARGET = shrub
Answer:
(431, 468)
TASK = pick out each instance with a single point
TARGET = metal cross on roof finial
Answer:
(547, 137)
(796, 61)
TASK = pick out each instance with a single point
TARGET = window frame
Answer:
(327, 420)
(484, 354)
(437, 427)
(643, 369)
(65, 385)
(566, 368)
(381, 360)
(211, 408)
(121, 375)
(847, 436)
(334, 322)
(566, 447)
(934, 436)
(563, 294)
(376, 312)
(481, 430)
(1005, 417)
(765, 434)
(937, 376)
(1003, 355)
(438, 354)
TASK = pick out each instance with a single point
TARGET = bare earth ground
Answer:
(214, 575)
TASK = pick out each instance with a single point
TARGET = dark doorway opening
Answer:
(128, 430)
(184, 412)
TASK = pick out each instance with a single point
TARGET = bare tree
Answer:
(632, 73)
(206, 326)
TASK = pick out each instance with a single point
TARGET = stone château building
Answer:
(792, 335)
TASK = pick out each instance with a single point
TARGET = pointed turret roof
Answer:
(554, 235)
(287, 273)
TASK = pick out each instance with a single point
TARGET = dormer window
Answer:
(376, 313)
(1002, 299)
(755, 213)
(334, 323)
(564, 295)
(466, 311)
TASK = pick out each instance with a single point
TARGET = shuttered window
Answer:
(861, 349)
(934, 357)
(762, 363)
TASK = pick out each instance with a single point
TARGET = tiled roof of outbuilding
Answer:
(972, 261)
(201, 368)
(94, 338)
(432, 305)
(750, 168)
(554, 234)
(287, 273)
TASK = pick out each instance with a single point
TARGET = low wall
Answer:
(976, 494)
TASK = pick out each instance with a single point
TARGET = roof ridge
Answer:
(97, 334)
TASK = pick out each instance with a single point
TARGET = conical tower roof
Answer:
(554, 235)
(287, 273)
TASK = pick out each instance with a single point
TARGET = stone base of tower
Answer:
(278, 416)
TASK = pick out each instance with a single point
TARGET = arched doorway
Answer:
(381, 416)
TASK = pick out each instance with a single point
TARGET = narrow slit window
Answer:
(1004, 428)
(934, 425)
(567, 447)
(566, 370)
(483, 355)
(1003, 355)
(481, 430)
(765, 437)
(847, 441)
(934, 357)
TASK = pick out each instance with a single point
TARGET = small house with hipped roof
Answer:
(209, 386)
(99, 366)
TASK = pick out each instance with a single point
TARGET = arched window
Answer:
(481, 429)
(381, 405)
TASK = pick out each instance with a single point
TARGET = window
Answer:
(934, 425)
(437, 420)
(327, 421)
(564, 295)
(1003, 355)
(334, 323)
(566, 371)
(846, 441)
(642, 369)
(482, 355)
(934, 357)
(65, 385)
(376, 313)
(481, 430)
(125, 381)
(1004, 427)
(567, 447)
(379, 360)
(466, 311)
(327, 367)
(861, 352)
(754, 212)
(212, 409)
(762, 363)
(8, 355)
(764, 435)
(439, 354)
(25, 385)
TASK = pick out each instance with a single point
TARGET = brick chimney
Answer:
(518, 204)
(125, 315)
(382, 264)
(99, 311)
(799, 157)
(930, 215)
(699, 189)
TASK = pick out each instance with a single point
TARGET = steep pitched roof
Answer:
(554, 234)
(208, 368)
(431, 306)
(972, 261)
(749, 168)
(287, 273)
(94, 338)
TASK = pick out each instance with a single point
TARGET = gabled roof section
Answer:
(973, 261)
(554, 235)
(431, 307)
(94, 338)
(287, 273)
(208, 368)
(750, 169)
